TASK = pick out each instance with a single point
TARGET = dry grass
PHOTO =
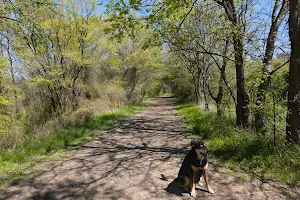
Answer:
(16, 136)
(14, 162)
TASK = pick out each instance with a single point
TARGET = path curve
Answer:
(126, 161)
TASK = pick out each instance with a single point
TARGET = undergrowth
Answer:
(14, 162)
(244, 149)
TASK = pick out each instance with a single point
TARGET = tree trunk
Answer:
(293, 116)
(205, 97)
(131, 79)
(220, 95)
(198, 90)
(53, 103)
(205, 87)
(260, 121)
(220, 110)
(242, 110)
(198, 80)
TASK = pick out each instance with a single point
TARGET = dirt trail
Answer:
(126, 161)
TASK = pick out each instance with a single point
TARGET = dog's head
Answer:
(200, 148)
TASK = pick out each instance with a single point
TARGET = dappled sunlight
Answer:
(126, 162)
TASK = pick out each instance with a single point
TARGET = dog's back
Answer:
(186, 164)
(185, 169)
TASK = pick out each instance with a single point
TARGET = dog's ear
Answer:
(193, 143)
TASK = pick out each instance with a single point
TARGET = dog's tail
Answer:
(167, 178)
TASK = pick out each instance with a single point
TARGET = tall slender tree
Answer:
(238, 32)
(293, 116)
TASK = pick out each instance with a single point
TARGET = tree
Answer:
(278, 15)
(293, 116)
(218, 98)
(121, 12)
(199, 43)
(238, 32)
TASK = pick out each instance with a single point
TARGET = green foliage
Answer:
(152, 89)
(139, 67)
(4, 123)
(73, 63)
(243, 149)
(60, 67)
(3, 63)
(178, 79)
(5, 120)
(182, 87)
(4, 101)
(276, 94)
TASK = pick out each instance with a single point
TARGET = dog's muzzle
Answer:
(203, 151)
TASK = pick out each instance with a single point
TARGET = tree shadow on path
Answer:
(132, 151)
(126, 162)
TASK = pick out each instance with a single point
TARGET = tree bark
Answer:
(243, 100)
(131, 79)
(293, 116)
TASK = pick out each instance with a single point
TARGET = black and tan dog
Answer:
(194, 166)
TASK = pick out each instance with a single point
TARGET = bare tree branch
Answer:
(186, 15)
(280, 66)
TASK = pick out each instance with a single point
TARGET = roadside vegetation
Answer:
(241, 149)
(237, 60)
(64, 62)
(59, 68)
(16, 162)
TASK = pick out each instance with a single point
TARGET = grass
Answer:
(243, 149)
(15, 163)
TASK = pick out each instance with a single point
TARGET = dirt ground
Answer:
(126, 162)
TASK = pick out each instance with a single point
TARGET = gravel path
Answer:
(126, 161)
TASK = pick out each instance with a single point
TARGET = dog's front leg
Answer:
(193, 189)
(199, 183)
(206, 182)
